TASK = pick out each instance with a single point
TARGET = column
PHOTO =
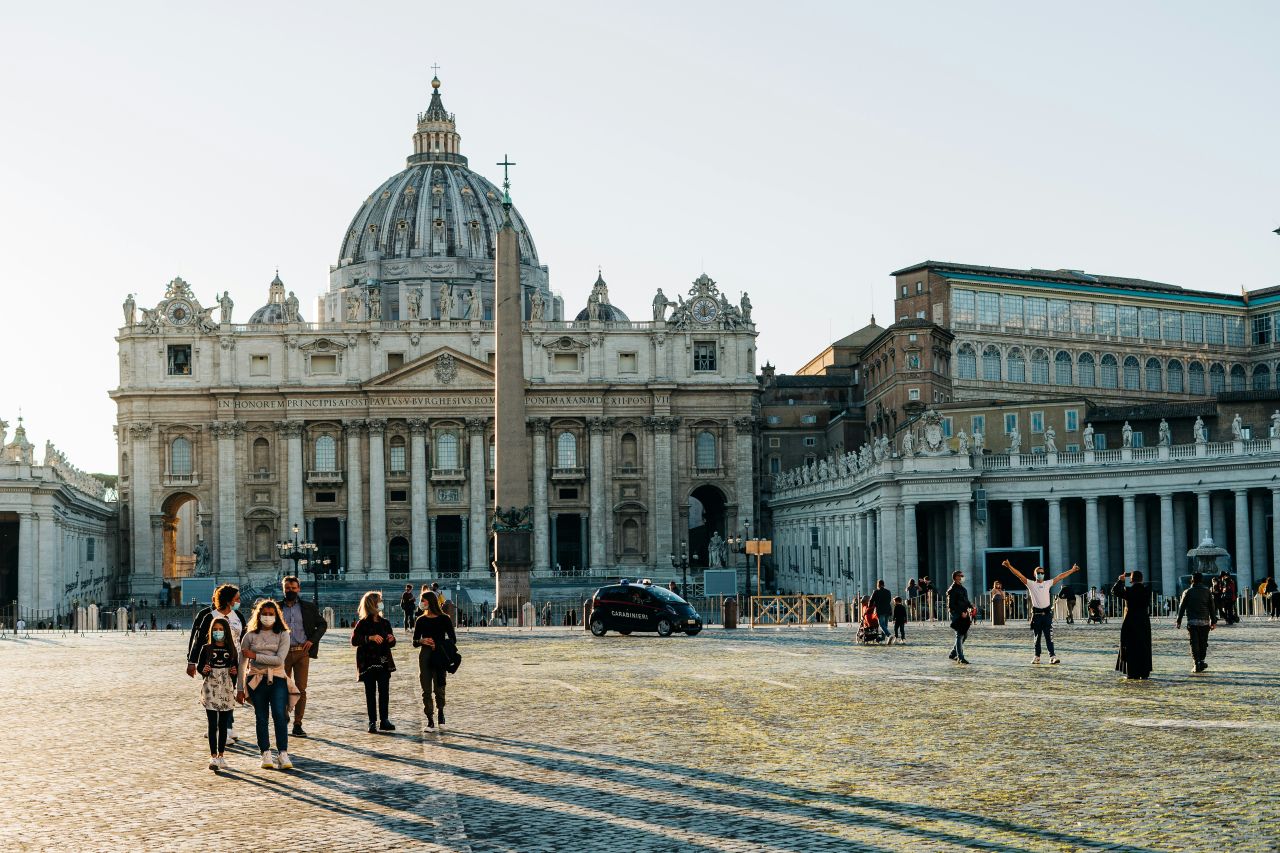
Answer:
(1219, 513)
(355, 497)
(46, 594)
(1129, 534)
(981, 538)
(431, 538)
(1179, 532)
(1204, 523)
(27, 558)
(1057, 560)
(1243, 555)
(744, 470)
(873, 547)
(890, 568)
(1140, 537)
(541, 534)
(295, 475)
(596, 428)
(551, 559)
(662, 469)
(1093, 568)
(1275, 532)
(145, 580)
(1168, 568)
(418, 548)
(910, 558)
(377, 498)
(225, 433)
(478, 529)
(1018, 536)
(1257, 536)
(964, 537)
(1104, 540)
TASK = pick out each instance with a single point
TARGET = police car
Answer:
(640, 606)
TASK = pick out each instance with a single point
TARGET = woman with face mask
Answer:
(262, 678)
(373, 636)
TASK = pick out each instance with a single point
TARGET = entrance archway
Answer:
(706, 516)
(398, 553)
(180, 534)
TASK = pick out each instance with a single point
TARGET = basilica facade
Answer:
(368, 428)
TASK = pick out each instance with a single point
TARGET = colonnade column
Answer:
(1258, 538)
(541, 565)
(295, 475)
(1244, 554)
(1275, 532)
(873, 547)
(478, 490)
(964, 537)
(225, 433)
(1056, 558)
(27, 556)
(596, 428)
(1129, 534)
(662, 429)
(890, 567)
(1168, 566)
(377, 497)
(1204, 521)
(1093, 568)
(910, 556)
(418, 545)
(1018, 518)
(355, 497)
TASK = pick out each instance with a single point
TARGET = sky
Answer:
(799, 151)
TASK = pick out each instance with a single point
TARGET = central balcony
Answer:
(324, 477)
(448, 475)
(568, 474)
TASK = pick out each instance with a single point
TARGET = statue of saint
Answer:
(715, 551)
(1198, 431)
(1088, 436)
(446, 302)
(201, 554)
(475, 310)
(130, 310)
(1126, 435)
(908, 443)
(1237, 428)
(593, 308)
(353, 307)
(150, 320)
(537, 304)
(414, 302)
(963, 442)
(745, 307)
(375, 305)
(660, 304)
(225, 305)
(1050, 439)
(1275, 424)
(1166, 437)
(978, 439)
(1015, 442)
(291, 309)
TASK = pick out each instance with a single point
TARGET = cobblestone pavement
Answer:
(790, 741)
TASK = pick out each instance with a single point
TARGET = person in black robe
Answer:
(1134, 659)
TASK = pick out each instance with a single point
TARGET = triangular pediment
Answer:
(441, 368)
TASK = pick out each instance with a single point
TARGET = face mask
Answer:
(379, 606)
(266, 621)
(218, 635)
(291, 595)
(1039, 576)
(236, 605)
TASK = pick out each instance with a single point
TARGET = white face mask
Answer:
(266, 620)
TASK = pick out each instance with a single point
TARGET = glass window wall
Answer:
(1128, 317)
(1149, 321)
(1037, 313)
(1172, 323)
(1011, 311)
(962, 306)
(1106, 319)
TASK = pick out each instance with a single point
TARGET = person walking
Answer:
(899, 622)
(999, 601)
(962, 612)
(1040, 593)
(262, 653)
(225, 604)
(406, 605)
(1229, 591)
(373, 638)
(882, 601)
(1197, 605)
(1068, 595)
(218, 665)
(926, 597)
(1134, 658)
(436, 642)
(1270, 597)
(306, 627)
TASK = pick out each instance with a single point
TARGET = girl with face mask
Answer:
(373, 637)
(218, 668)
(262, 678)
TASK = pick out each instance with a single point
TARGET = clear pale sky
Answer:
(798, 151)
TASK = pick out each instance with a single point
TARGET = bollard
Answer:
(122, 619)
(730, 609)
(841, 614)
(328, 616)
(527, 618)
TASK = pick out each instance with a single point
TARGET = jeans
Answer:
(432, 681)
(957, 651)
(219, 722)
(378, 680)
(1042, 625)
(884, 625)
(271, 699)
(1199, 642)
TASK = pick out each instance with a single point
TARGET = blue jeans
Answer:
(271, 698)
(884, 625)
(1042, 625)
(958, 648)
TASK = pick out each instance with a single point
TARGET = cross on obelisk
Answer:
(506, 180)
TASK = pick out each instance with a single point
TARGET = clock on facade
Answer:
(178, 313)
(704, 309)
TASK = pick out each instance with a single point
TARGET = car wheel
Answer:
(664, 628)
(625, 633)
(598, 628)
(693, 632)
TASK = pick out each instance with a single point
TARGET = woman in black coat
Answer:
(1134, 659)
(373, 638)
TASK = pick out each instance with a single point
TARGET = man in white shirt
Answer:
(1040, 592)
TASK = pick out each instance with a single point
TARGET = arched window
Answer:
(261, 455)
(1175, 376)
(631, 536)
(1110, 373)
(991, 364)
(1131, 373)
(1155, 375)
(1062, 368)
(447, 452)
(1217, 379)
(262, 542)
(180, 457)
(326, 453)
(704, 450)
(1085, 367)
(630, 452)
(1195, 377)
(1237, 378)
(1040, 367)
(396, 446)
(566, 450)
(1017, 366)
(966, 362)
(1261, 378)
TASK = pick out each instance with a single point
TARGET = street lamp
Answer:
(739, 543)
(682, 563)
(299, 552)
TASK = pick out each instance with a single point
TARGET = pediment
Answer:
(323, 345)
(441, 368)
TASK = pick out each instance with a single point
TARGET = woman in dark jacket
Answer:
(373, 637)
(434, 637)
(1134, 659)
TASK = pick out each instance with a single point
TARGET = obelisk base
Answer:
(513, 557)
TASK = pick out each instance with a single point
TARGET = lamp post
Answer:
(681, 562)
(739, 543)
(299, 552)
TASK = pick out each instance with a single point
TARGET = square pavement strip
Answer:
(785, 741)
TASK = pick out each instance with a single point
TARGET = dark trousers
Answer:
(432, 680)
(376, 682)
(1042, 626)
(1199, 642)
(219, 722)
(271, 700)
(899, 630)
(408, 617)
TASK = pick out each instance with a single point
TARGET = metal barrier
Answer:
(793, 610)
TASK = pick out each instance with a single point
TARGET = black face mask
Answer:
(291, 596)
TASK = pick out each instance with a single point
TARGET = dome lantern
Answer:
(436, 139)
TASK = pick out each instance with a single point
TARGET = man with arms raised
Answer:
(1039, 591)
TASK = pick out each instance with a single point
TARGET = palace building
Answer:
(369, 426)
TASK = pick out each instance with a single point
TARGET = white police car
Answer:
(627, 606)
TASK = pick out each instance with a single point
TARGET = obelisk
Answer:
(513, 515)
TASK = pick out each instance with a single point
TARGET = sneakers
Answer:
(222, 763)
(231, 737)
(1036, 659)
(387, 726)
(268, 763)
(285, 763)
(952, 656)
(213, 763)
(963, 661)
(1053, 659)
(297, 731)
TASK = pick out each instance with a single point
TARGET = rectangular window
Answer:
(1099, 441)
(398, 496)
(1059, 315)
(775, 465)
(1149, 323)
(1235, 331)
(1037, 422)
(326, 497)
(1037, 313)
(395, 361)
(813, 537)
(988, 308)
(1105, 319)
(1073, 448)
(180, 359)
(565, 362)
(1172, 323)
(89, 548)
(913, 393)
(1262, 330)
(1011, 311)
(627, 362)
(1082, 318)
(773, 420)
(1010, 422)
(979, 424)
(704, 356)
(810, 441)
(1137, 438)
(1213, 329)
(1193, 327)
(774, 441)
(946, 427)
(1128, 319)
(323, 365)
(259, 365)
(912, 337)
(397, 458)
(962, 306)
(809, 419)
(1072, 419)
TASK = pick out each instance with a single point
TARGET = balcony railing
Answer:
(192, 479)
(447, 475)
(320, 477)
(262, 476)
(578, 473)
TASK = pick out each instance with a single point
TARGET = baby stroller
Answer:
(869, 627)
(1096, 616)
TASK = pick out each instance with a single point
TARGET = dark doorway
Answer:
(448, 544)
(327, 533)
(8, 560)
(398, 554)
(706, 516)
(568, 555)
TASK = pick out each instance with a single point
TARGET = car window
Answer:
(666, 595)
(639, 596)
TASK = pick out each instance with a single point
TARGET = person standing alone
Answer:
(406, 605)
(1040, 592)
(1198, 606)
(434, 637)
(962, 611)
(306, 627)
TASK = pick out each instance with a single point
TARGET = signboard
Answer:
(199, 590)
(720, 582)
(1026, 559)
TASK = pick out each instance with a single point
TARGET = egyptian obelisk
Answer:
(512, 518)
